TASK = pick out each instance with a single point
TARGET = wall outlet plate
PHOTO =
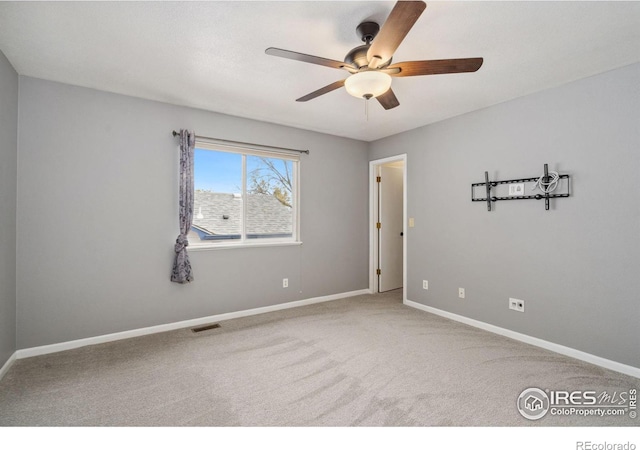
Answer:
(285, 282)
(516, 189)
(425, 284)
(461, 292)
(516, 304)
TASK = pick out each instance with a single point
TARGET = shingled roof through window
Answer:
(265, 214)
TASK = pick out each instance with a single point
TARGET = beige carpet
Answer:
(361, 361)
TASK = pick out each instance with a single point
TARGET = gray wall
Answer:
(97, 217)
(8, 164)
(576, 266)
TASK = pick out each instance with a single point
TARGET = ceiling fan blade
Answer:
(331, 87)
(388, 100)
(435, 67)
(309, 59)
(401, 19)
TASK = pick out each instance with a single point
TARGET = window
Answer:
(243, 196)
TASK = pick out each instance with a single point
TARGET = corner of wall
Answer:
(10, 89)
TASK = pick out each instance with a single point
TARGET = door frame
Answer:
(373, 202)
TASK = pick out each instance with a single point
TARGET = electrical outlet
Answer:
(461, 292)
(516, 304)
(285, 282)
(425, 284)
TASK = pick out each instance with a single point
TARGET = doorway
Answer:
(387, 224)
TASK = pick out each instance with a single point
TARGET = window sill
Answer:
(207, 247)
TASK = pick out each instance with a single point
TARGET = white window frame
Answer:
(243, 242)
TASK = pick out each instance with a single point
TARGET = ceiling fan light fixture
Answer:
(368, 84)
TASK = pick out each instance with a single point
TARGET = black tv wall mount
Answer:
(519, 187)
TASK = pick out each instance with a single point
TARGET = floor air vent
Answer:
(205, 327)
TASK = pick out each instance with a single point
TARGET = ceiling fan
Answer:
(370, 64)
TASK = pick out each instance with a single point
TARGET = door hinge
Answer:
(378, 272)
(378, 225)
(378, 179)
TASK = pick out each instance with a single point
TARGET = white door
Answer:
(390, 236)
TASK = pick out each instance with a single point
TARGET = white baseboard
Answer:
(62, 346)
(557, 348)
(5, 368)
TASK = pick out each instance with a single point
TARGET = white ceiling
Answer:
(210, 55)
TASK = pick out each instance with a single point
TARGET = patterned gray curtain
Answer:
(181, 266)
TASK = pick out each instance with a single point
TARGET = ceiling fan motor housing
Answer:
(358, 56)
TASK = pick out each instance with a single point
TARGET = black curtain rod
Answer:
(224, 141)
